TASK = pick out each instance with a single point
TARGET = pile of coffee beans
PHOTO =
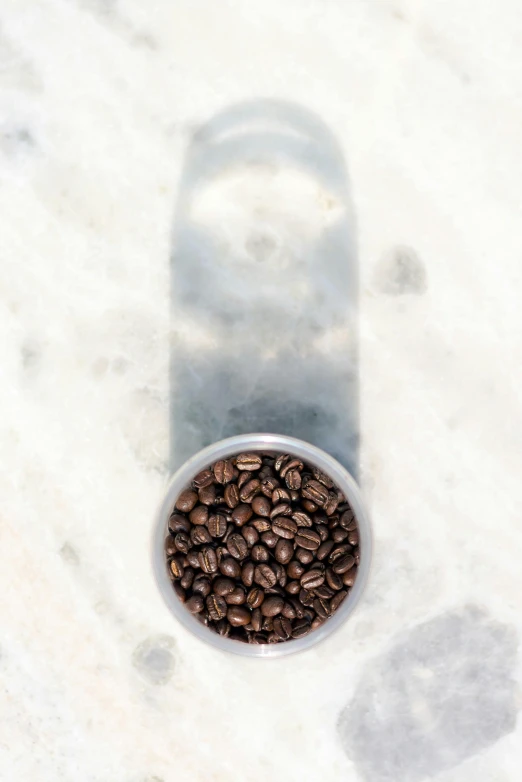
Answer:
(262, 547)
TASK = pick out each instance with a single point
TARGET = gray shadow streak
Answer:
(256, 363)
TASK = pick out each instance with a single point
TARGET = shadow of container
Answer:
(264, 285)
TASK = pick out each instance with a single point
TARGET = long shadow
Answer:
(264, 285)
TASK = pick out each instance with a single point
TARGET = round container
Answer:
(223, 450)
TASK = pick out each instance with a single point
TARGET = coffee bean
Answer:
(280, 461)
(343, 563)
(208, 560)
(312, 579)
(268, 624)
(271, 606)
(302, 519)
(324, 549)
(237, 546)
(264, 576)
(261, 506)
(333, 580)
(268, 485)
(180, 592)
(201, 585)
(315, 492)
(300, 628)
(238, 616)
(223, 471)
(349, 577)
(293, 587)
(306, 597)
(230, 529)
(293, 479)
(250, 534)
(308, 505)
(284, 551)
(207, 494)
(195, 604)
(285, 527)
(281, 496)
(255, 597)
(337, 599)
(217, 525)
(324, 591)
(216, 607)
(281, 510)
(199, 515)
(177, 569)
(223, 586)
(261, 525)
(170, 546)
(322, 607)
(237, 597)
(257, 620)
(247, 573)
(298, 607)
(308, 539)
(223, 628)
(188, 578)
(288, 611)
(186, 500)
(270, 539)
(249, 461)
(260, 553)
(305, 556)
(242, 514)
(331, 504)
(295, 569)
(339, 534)
(316, 622)
(353, 538)
(199, 535)
(249, 490)
(322, 478)
(347, 521)
(179, 523)
(231, 495)
(339, 551)
(203, 478)
(322, 531)
(282, 628)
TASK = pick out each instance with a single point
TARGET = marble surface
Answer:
(217, 217)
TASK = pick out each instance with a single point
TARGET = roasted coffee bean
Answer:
(186, 500)
(322, 478)
(293, 587)
(255, 597)
(293, 479)
(230, 529)
(176, 567)
(272, 605)
(331, 504)
(249, 461)
(308, 539)
(193, 558)
(308, 505)
(199, 514)
(333, 580)
(223, 628)
(241, 514)
(280, 461)
(195, 604)
(179, 523)
(199, 535)
(264, 576)
(201, 585)
(281, 496)
(250, 534)
(170, 546)
(339, 551)
(249, 490)
(217, 525)
(229, 567)
(268, 485)
(223, 586)
(238, 616)
(280, 572)
(284, 551)
(322, 531)
(261, 525)
(289, 465)
(349, 577)
(339, 534)
(281, 510)
(270, 539)
(237, 597)
(247, 573)
(203, 478)
(208, 560)
(322, 607)
(259, 553)
(216, 607)
(244, 477)
(305, 556)
(347, 521)
(188, 578)
(288, 611)
(343, 563)
(295, 569)
(298, 607)
(324, 591)
(306, 598)
(353, 538)
(231, 495)
(284, 527)
(268, 624)
(237, 546)
(324, 549)
(316, 622)
(302, 519)
(180, 592)
(256, 620)
(207, 494)
(261, 506)
(315, 492)
(312, 579)
(337, 599)
(223, 471)
(282, 628)
(300, 628)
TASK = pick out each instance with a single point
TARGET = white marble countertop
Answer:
(125, 182)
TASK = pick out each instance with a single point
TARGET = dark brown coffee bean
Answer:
(293, 479)
(247, 574)
(305, 556)
(284, 527)
(343, 563)
(223, 471)
(249, 461)
(270, 539)
(216, 607)
(199, 535)
(208, 560)
(339, 551)
(282, 628)
(207, 494)
(331, 503)
(281, 496)
(284, 551)
(244, 477)
(289, 465)
(273, 605)
(353, 538)
(295, 569)
(223, 586)
(241, 515)
(237, 597)
(322, 531)
(203, 478)
(249, 490)
(312, 579)
(231, 495)
(347, 521)
(302, 519)
(261, 525)
(288, 611)
(217, 525)
(186, 500)
(170, 546)
(255, 597)
(300, 628)
(268, 485)
(188, 578)
(229, 567)
(320, 476)
(309, 506)
(179, 523)
(195, 604)
(256, 620)
(315, 492)
(282, 510)
(180, 592)
(223, 628)
(176, 567)
(306, 598)
(298, 607)
(260, 553)
(230, 529)
(308, 539)
(264, 576)
(268, 624)
(293, 587)
(250, 534)
(280, 460)
(261, 506)
(349, 577)
(324, 591)
(199, 515)
(238, 616)
(201, 585)
(333, 580)
(237, 546)
(281, 576)
(324, 549)
(337, 599)
(339, 534)
(316, 622)
(322, 607)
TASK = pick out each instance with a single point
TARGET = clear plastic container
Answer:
(222, 450)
